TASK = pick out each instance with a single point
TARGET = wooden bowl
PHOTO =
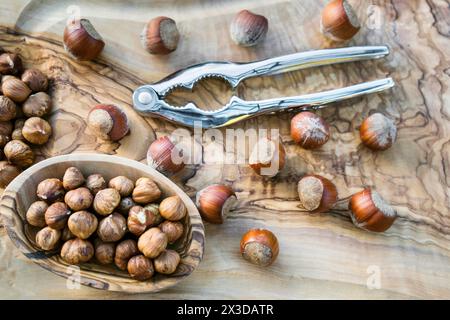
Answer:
(21, 192)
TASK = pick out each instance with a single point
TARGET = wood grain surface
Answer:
(321, 255)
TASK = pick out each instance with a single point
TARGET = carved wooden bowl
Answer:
(21, 192)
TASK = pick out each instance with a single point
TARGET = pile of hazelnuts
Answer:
(23, 104)
(120, 222)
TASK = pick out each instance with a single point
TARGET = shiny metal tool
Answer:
(149, 99)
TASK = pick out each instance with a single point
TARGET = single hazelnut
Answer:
(95, 183)
(152, 242)
(37, 105)
(122, 184)
(73, 178)
(215, 202)
(112, 228)
(36, 214)
(124, 251)
(370, 211)
(146, 191)
(17, 135)
(153, 210)
(6, 127)
(125, 205)
(173, 230)
(81, 40)
(339, 21)
(79, 199)
(167, 262)
(82, 224)
(35, 80)
(316, 193)
(139, 219)
(36, 130)
(76, 251)
(160, 36)
(259, 246)
(56, 215)
(309, 130)
(108, 122)
(378, 132)
(15, 89)
(248, 29)
(267, 157)
(7, 173)
(172, 208)
(106, 201)
(140, 268)
(47, 238)
(10, 63)
(50, 190)
(66, 234)
(164, 156)
(104, 251)
(7, 109)
(4, 140)
(19, 153)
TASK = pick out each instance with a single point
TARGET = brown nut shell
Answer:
(6, 128)
(317, 194)
(73, 178)
(164, 156)
(104, 252)
(369, 211)
(152, 242)
(8, 109)
(10, 63)
(79, 199)
(35, 80)
(47, 238)
(124, 251)
(81, 40)
(172, 208)
(19, 153)
(260, 247)
(36, 130)
(339, 21)
(112, 228)
(7, 173)
(15, 89)
(122, 184)
(77, 251)
(309, 130)
(214, 202)
(248, 29)
(56, 215)
(125, 205)
(139, 219)
(50, 190)
(37, 105)
(82, 224)
(106, 201)
(36, 214)
(267, 157)
(378, 132)
(95, 182)
(160, 36)
(108, 122)
(140, 268)
(146, 191)
(173, 230)
(167, 262)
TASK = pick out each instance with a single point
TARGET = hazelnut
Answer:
(7, 173)
(35, 80)
(167, 262)
(260, 247)
(160, 36)
(309, 130)
(4, 140)
(7, 109)
(95, 183)
(66, 234)
(36, 214)
(339, 21)
(10, 63)
(47, 238)
(248, 29)
(164, 156)
(17, 135)
(104, 251)
(79, 199)
(140, 268)
(81, 40)
(152, 242)
(50, 190)
(76, 251)
(37, 105)
(73, 178)
(108, 122)
(112, 228)
(153, 209)
(316, 193)
(6, 128)
(125, 205)
(36, 130)
(146, 191)
(173, 230)
(172, 208)
(106, 201)
(122, 184)
(215, 202)
(82, 224)
(56, 215)
(18, 153)
(139, 219)
(124, 251)
(378, 132)
(267, 157)
(15, 89)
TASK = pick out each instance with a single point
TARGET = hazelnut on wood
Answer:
(152, 242)
(79, 199)
(106, 201)
(72, 179)
(95, 183)
(122, 184)
(56, 215)
(47, 238)
(76, 251)
(378, 132)
(309, 130)
(50, 190)
(160, 36)
(8, 109)
(108, 122)
(36, 130)
(146, 191)
(36, 214)
(124, 251)
(167, 262)
(19, 153)
(112, 228)
(248, 29)
(37, 105)
(8, 172)
(35, 80)
(81, 40)
(104, 251)
(82, 224)
(140, 268)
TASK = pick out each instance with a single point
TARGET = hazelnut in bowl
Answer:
(126, 226)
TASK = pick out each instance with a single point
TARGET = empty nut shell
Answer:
(73, 178)
(152, 242)
(95, 183)
(56, 215)
(36, 130)
(50, 190)
(122, 184)
(82, 224)
(76, 251)
(112, 228)
(106, 201)
(35, 80)
(172, 208)
(124, 251)
(47, 238)
(37, 105)
(140, 268)
(79, 199)
(36, 214)
(167, 262)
